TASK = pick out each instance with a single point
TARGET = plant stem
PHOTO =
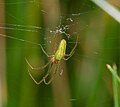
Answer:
(115, 79)
(110, 9)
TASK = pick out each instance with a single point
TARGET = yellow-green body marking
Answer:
(60, 53)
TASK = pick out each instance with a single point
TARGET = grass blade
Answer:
(115, 79)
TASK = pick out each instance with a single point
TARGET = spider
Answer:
(55, 60)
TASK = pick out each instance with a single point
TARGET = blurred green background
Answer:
(86, 81)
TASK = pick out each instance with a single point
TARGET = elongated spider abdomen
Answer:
(60, 53)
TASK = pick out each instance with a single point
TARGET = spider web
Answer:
(69, 25)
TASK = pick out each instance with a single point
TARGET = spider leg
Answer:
(56, 68)
(44, 78)
(34, 78)
(41, 79)
(44, 51)
(55, 71)
(37, 68)
(47, 83)
(68, 56)
(72, 51)
(61, 73)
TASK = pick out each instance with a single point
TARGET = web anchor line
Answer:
(22, 40)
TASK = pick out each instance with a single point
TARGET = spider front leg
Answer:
(72, 51)
(44, 51)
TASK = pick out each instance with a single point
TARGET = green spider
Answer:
(55, 59)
